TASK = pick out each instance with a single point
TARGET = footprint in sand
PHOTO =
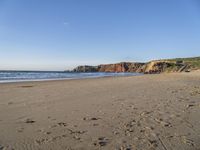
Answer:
(76, 131)
(190, 105)
(153, 143)
(62, 124)
(102, 141)
(129, 147)
(48, 132)
(145, 113)
(91, 119)
(163, 123)
(29, 121)
(41, 141)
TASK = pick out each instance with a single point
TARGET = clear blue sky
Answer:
(60, 34)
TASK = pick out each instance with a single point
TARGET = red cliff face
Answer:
(121, 67)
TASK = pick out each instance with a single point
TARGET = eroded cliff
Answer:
(158, 66)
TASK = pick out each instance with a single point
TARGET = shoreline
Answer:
(63, 79)
(89, 77)
(85, 78)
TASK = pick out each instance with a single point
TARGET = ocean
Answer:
(19, 76)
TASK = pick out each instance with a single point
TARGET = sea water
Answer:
(18, 76)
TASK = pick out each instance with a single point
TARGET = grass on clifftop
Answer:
(193, 61)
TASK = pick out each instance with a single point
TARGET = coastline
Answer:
(72, 78)
(138, 112)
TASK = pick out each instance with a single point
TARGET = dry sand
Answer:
(143, 112)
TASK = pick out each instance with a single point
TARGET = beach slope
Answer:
(141, 112)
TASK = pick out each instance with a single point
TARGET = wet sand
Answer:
(115, 113)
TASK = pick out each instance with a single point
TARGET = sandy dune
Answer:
(116, 113)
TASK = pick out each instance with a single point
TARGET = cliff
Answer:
(165, 66)
(86, 69)
(121, 67)
(157, 66)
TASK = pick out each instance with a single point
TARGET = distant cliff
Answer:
(165, 66)
(86, 69)
(157, 66)
(121, 67)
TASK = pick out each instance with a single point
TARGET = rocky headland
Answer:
(155, 66)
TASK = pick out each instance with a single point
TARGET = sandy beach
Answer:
(114, 113)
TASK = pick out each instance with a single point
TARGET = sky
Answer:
(61, 34)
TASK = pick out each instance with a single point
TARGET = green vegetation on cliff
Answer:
(194, 62)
